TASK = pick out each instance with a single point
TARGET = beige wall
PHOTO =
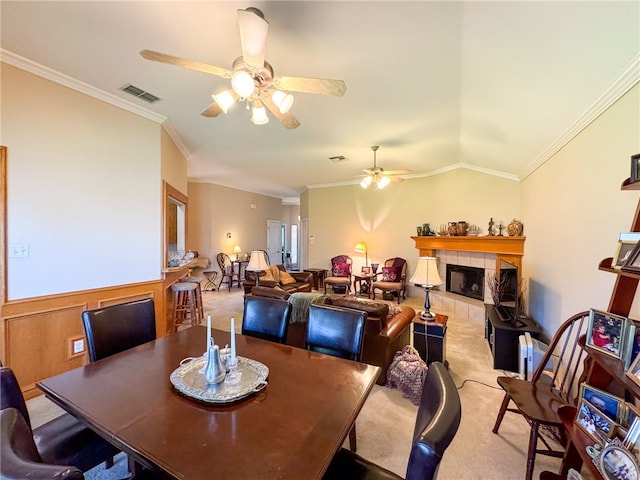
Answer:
(173, 164)
(215, 211)
(339, 217)
(83, 189)
(573, 212)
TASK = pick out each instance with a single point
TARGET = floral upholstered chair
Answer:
(392, 278)
(340, 273)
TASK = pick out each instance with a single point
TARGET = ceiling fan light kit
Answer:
(252, 77)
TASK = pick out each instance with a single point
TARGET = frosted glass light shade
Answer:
(283, 101)
(383, 182)
(243, 83)
(259, 115)
(366, 181)
(224, 100)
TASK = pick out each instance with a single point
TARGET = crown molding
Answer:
(30, 66)
(620, 85)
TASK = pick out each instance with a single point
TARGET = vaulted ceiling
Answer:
(493, 86)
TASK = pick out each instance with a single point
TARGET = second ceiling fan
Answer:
(252, 77)
(378, 176)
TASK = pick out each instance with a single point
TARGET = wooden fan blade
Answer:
(185, 63)
(286, 119)
(396, 172)
(212, 110)
(318, 86)
(396, 179)
(253, 36)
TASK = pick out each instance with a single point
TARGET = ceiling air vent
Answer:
(338, 158)
(138, 92)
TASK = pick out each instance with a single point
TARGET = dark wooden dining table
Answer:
(290, 429)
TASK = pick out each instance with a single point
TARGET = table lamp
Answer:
(426, 275)
(361, 247)
(237, 250)
(257, 263)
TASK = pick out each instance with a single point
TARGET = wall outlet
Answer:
(18, 250)
(78, 346)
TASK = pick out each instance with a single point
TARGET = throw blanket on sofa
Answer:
(300, 302)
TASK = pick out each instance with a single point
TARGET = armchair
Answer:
(340, 273)
(394, 275)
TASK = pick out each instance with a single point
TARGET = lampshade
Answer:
(224, 100)
(378, 181)
(237, 249)
(257, 262)
(243, 84)
(426, 274)
(259, 114)
(283, 101)
(366, 181)
(360, 247)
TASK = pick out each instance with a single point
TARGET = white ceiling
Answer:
(488, 85)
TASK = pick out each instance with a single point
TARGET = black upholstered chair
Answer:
(19, 457)
(266, 318)
(116, 328)
(61, 441)
(437, 422)
(338, 332)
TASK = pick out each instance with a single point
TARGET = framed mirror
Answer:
(175, 225)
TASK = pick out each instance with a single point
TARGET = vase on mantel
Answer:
(462, 228)
(515, 228)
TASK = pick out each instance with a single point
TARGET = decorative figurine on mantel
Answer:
(500, 228)
(490, 230)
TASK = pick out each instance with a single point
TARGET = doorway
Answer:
(274, 241)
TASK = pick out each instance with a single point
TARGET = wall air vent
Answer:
(138, 92)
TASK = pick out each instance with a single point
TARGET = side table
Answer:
(429, 338)
(318, 276)
(359, 280)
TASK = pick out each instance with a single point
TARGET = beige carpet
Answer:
(385, 425)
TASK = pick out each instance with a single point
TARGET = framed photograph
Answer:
(595, 423)
(635, 168)
(632, 263)
(628, 414)
(617, 463)
(623, 252)
(633, 372)
(610, 405)
(606, 332)
(366, 270)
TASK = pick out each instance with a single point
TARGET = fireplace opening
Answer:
(467, 281)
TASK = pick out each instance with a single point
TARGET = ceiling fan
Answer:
(252, 77)
(378, 176)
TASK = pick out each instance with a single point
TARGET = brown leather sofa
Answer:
(384, 334)
(303, 281)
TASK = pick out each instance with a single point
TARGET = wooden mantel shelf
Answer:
(498, 245)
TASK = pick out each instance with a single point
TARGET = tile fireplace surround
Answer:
(479, 252)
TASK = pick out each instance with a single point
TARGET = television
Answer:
(508, 292)
(530, 355)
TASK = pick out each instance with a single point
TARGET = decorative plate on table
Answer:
(188, 379)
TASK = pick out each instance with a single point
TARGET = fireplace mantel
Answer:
(499, 245)
(510, 249)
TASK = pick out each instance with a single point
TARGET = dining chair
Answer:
(116, 328)
(436, 425)
(266, 318)
(393, 278)
(228, 275)
(61, 441)
(338, 332)
(340, 275)
(555, 382)
(19, 457)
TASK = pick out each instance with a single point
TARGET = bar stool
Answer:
(197, 280)
(184, 304)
